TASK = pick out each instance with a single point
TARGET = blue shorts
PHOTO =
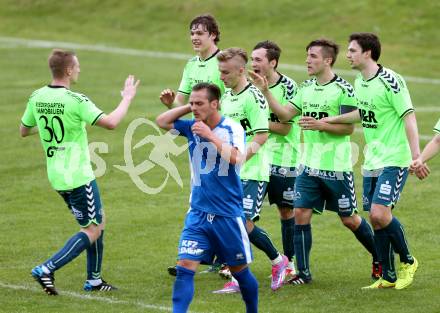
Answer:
(281, 186)
(329, 190)
(84, 203)
(253, 197)
(383, 186)
(205, 235)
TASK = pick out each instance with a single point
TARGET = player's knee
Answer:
(286, 213)
(188, 264)
(351, 222)
(93, 232)
(303, 216)
(249, 226)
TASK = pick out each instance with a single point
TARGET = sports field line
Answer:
(71, 294)
(12, 42)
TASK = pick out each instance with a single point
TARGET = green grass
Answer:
(142, 230)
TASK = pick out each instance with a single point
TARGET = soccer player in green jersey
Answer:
(392, 141)
(326, 181)
(60, 115)
(418, 166)
(283, 143)
(203, 67)
(244, 103)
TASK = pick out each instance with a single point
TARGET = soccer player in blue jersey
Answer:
(60, 115)
(215, 223)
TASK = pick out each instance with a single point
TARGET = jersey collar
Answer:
(244, 89)
(210, 57)
(278, 81)
(55, 86)
(377, 73)
(328, 83)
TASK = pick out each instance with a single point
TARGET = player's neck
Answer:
(213, 120)
(370, 70)
(325, 77)
(208, 52)
(65, 82)
(272, 77)
(242, 83)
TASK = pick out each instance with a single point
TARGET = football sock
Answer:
(249, 289)
(94, 258)
(183, 290)
(261, 240)
(398, 240)
(385, 254)
(73, 247)
(365, 235)
(287, 229)
(303, 245)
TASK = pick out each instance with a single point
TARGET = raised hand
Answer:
(167, 97)
(259, 81)
(130, 87)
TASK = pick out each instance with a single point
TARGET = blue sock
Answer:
(398, 240)
(287, 229)
(249, 289)
(385, 254)
(94, 258)
(261, 240)
(183, 290)
(303, 245)
(73, 247)
(365, 235)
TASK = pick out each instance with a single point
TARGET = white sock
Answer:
(277, 260)
(95, 282)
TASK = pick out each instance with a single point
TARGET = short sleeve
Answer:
(88, 112)
(257, 111)
(183, 127)
(399, 97)
(437, 127)
(185, 83)
(28, 119)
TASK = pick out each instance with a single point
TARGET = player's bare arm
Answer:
(256, 143)
(280, 128)
(346, 118)
(412, 134)
(166, 119)
(310, 123)
(112, 120)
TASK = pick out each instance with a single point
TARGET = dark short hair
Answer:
(213, 91)
(368, 42)
(209, 23)
(59, 60)
(273, 51)
(329, 48)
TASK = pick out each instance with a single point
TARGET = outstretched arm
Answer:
(112, 120)
(310, 123)
(166, 119)
(284, 113)
(346, 118)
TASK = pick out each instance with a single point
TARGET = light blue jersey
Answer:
(216, 184)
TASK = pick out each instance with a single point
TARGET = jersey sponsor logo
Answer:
(274, 118)
(316, 115)
(245, 124)
(190, 247)
(288, 194)
(343, 202)
(239, 256)
(368, 118)
(385, 188)
(248, 202)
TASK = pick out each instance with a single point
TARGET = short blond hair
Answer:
(230, 53)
